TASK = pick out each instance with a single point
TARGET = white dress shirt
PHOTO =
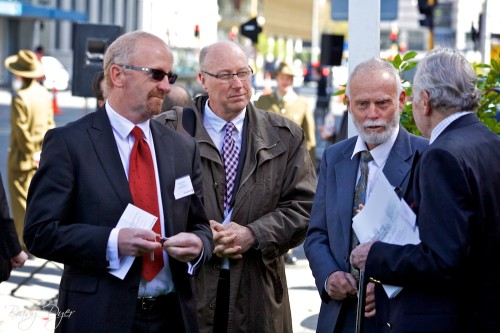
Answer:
(162, 284)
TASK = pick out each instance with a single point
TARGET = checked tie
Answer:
(230, 155)
(359, 198)
(142, 184)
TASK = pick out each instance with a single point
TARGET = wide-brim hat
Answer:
(24, 64)
(284, 68)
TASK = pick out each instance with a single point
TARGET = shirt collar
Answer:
(379, 153)
(218, 123)
(444, 123)
(123, 126)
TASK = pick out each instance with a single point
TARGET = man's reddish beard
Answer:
(153, 104)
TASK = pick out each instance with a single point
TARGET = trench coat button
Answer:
(389, 325)
(212, 306)
(133, 289)
(217, 267)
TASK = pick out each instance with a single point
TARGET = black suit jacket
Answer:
(450, 279)
(78, 195)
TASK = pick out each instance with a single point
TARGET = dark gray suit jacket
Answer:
(327, 244)
(78, 195)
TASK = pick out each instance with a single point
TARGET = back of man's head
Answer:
(449, 80)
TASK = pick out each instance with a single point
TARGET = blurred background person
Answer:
(285, 101)
(178, 96)
(31, 116)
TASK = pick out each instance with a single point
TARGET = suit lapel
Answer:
(398, 165)
(104, 143)
(345, 174)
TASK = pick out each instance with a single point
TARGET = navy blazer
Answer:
(327, 244)
(451, 279)
(75, 199)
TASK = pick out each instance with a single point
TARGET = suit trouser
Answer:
(346, 322)
(222, 302)
(164, 316)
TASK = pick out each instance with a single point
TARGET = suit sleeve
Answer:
(317, 243)
(444, 215)
(54, 228)
(9, 242)
(197, 220)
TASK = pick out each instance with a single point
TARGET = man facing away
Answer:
(90, 171)
(375, 99)
(258, 183)
(449, 279)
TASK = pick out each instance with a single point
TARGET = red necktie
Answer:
(142, 182)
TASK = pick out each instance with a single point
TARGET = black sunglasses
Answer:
(156, 74)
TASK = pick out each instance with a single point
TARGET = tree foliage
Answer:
(488, 83)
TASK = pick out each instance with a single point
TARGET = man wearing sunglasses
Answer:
(90, 171)
(258, 183)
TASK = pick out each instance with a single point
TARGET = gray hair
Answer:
(122, 50)
(449, 80)
(374, 65)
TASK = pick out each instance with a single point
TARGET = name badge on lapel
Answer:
(183, 187)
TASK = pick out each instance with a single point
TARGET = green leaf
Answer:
(410, 55)
(397, 61)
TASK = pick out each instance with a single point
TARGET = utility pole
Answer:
(364, 37)
(431, 28)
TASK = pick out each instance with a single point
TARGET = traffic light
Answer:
(426, 7)
(197, 31)
(251, 29)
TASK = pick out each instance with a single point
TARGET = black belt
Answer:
(153, 304)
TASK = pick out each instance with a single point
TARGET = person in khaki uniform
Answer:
(285, 101)
(31, 116)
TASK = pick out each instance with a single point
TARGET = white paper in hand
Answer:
(387, 218)
(132, 217)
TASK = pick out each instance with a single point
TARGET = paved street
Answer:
(21, 312)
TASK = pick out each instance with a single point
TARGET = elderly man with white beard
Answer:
(349, 169)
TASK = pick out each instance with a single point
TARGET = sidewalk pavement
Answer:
(22, 312)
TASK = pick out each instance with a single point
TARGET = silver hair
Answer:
(374, 65)
(122, 50)
(449, 80)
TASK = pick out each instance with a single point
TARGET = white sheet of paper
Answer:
(183, 187)
(387, 218)
(132, 217)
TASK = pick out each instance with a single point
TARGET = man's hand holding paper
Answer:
(387, 218)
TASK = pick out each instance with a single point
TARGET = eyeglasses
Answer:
(156, 74)
(228, 77)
